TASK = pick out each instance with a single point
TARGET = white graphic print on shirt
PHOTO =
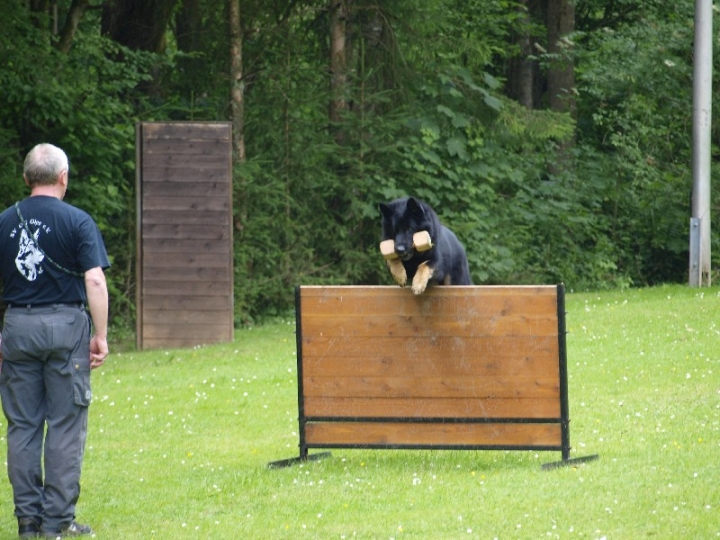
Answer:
(29, 256)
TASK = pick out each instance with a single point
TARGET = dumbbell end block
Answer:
(387, 248)
(422, 241)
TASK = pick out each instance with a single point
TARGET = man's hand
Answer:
(98, 351)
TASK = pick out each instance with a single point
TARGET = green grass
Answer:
(180, 440)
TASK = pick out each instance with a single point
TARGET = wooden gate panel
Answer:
(462, 367)
(185, 263)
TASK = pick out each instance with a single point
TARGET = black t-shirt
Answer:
(65, 234)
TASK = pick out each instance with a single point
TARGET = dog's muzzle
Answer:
(404, 254)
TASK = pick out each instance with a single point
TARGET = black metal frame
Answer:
(563, 421)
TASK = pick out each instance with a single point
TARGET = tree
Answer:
(338, 63)
(237, 93)
(521, 67)
(74, 16)
(139, 26)
(561, 70)
(551, 134)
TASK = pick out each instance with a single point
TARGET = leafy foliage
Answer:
(636, 84)
(81, 102)
(427, 115)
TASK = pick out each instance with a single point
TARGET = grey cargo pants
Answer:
(45, 381)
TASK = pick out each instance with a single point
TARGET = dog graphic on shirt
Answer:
(29, 256)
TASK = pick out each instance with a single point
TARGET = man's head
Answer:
(44, 166)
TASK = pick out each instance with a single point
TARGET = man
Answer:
(52, 259)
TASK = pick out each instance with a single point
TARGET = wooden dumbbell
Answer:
(421, 242)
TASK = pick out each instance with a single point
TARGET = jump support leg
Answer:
(569, 462)
(300, 459)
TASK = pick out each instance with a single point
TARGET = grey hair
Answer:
(43, 165)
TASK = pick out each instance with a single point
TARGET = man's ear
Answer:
(26, 181)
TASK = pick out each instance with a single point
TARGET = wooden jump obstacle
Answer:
(463, 367)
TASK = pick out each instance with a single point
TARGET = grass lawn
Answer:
(180, 440)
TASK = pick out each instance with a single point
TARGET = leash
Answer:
(37, 246)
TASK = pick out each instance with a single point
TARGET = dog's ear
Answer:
(385, 210)
(415, 208)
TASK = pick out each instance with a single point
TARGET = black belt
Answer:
(52, 305)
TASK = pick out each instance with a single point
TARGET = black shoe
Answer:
(74, 529)
(28, 528)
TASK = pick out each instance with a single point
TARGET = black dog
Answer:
(444, 263)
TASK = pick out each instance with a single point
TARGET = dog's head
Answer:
(401, 219)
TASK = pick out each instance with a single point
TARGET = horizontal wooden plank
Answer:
(475, 302)
(431, 387)
(179, 217)
(457, 290)
(196, 303)
(209, 172)
(215, 188)
(409, 326)
(183, 245)
(431, 408)
(179, 203)
(448, 434)
(396, 364)
(177, 316)
(188, 331)
(181, 159)
(194, 146)
(154, 259)
(184, 231)
(187, 274)
(495, 348)
(186, 288)
(456, 311)
(185, 131)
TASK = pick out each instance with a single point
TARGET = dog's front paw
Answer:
(422, 278)
(418, 287)
(398, 271)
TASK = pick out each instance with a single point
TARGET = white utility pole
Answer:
(702, 117)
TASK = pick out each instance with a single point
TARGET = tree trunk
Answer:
(188, 26)
(237, 104)
(140, 26)
(77, 10)
(338, 63)
(561, 73)
(521, 70)
(237, 89)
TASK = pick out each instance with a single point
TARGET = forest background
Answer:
(553, 136)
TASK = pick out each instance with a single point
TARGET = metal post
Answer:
(562, 349)
(695, 252)
(702, 115)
